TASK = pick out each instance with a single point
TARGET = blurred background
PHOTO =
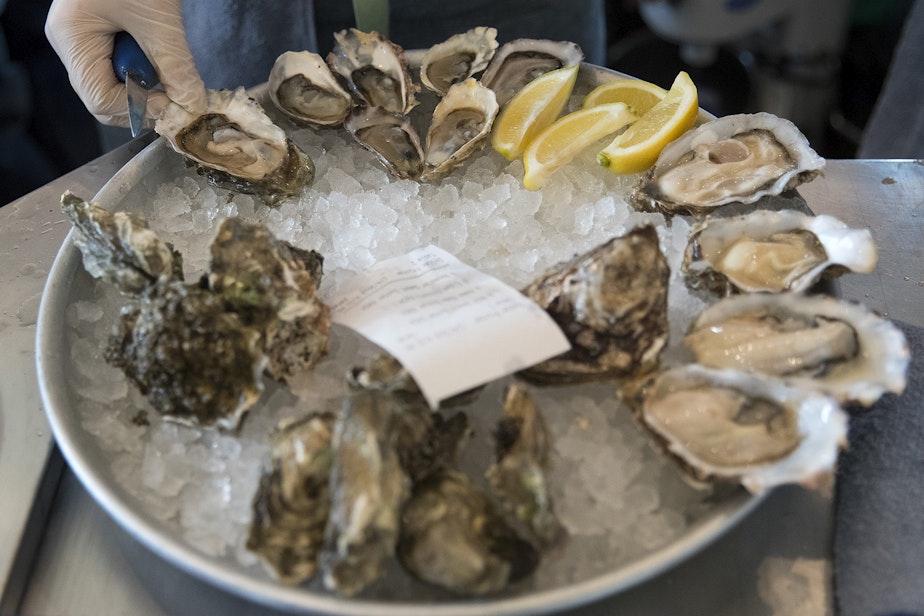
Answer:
(821, 63)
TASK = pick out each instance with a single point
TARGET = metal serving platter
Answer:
(91, 463)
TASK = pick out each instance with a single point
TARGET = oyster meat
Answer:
(774, 251)
(375, 70)
(842, 348)
(292, 502)
(237, 146)
(457, 58)
(736, 158)
(390, 137)
(453, 537)
(369, 487)
(196, 362)
(272, 286)
(119, 248)
(460, 127)
(611, 303)
(303, 87)
(520, 61)
(732, 426)
(517, 477)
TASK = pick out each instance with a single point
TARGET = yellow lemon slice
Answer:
(640, 96)
(638, 147)
(532, 109)
(558, 144)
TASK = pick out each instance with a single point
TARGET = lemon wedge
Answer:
(531, 110)
(558, 144)
(640, 96)
(638, 147)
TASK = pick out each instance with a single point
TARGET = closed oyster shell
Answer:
(732, 426)
(237, 146)
(774, 251)
(520, 61)
(302, 86)
(736, 158)
(839, 347)
(457, 58)
(611, 303)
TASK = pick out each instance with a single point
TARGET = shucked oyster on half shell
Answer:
(237, 145)
(839, 347)
(375, 70)
(735, 158)
(520, 61)
(457, 58)
(774, 251)
(611, 303)
(390, 137)
(303, 87)
(732, 426)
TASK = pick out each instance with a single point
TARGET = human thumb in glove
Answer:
(82, 34)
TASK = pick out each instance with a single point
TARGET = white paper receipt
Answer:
(451, 326)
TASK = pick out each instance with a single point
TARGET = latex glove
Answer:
(82, 33)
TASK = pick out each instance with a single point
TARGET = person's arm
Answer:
(82, 31)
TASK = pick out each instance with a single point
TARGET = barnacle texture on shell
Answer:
(773, 251)
(735, 158)
(611, 303)
(840, 347)
(729, 425)
(520, 61)
(303, 87)
(272, 285)
(119, 248)
(453, 537)
(195, 361)
(237, 145)
(457, 58)
(293, 500)
(375, 70)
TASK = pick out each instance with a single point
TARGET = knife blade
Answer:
(133, 67)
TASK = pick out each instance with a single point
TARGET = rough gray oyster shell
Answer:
(272, 285)
(196, 362)
(611, 303)
(119, 248)
(517, 477)
(292, 502)
(453, 537)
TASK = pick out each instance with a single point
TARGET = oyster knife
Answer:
(139, 75)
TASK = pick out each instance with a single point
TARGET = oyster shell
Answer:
(119, 248)
(457, 58)
(368, 490)
(520, 61)
(292, 502)
(611, 303)
(272, 286)
(196, 362)
(842, 348)
(517, 477)
(728, 425)
(391, 137)
(774, 251)
(454, 538)
(385, 373)
(237, 145)
(375, 70)
(303, 87)
(735, 158)
(460, 127)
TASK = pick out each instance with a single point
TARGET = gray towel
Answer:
(879, 502)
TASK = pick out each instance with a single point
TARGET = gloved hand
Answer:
(82, 33)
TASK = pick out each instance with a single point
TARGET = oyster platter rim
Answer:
(84, 460)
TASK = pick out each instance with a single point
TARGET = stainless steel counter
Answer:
(83, 563)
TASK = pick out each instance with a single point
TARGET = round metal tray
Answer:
(87, 460)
